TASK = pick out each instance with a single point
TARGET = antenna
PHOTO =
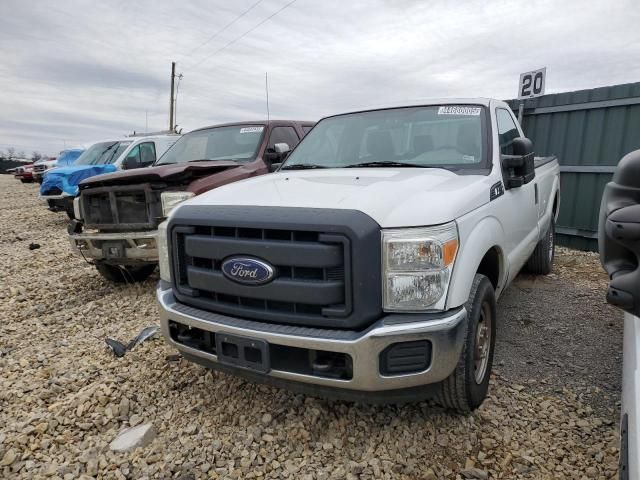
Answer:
(266, 87)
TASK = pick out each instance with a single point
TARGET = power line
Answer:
(228, 44)
(238, 17)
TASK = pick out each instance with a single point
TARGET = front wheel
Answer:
(125, 273)
(466, 388)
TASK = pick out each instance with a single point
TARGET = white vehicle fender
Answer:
(548, 214)
(476, 239)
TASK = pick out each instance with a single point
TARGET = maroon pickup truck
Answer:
(117, 214)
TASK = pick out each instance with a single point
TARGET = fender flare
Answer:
(485, 235)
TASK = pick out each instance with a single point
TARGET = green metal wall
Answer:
(589, 131)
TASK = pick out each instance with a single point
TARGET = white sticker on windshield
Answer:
(459, 110)
(251, 129)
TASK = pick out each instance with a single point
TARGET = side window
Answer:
(147, 153)
(134, 154)
(286, 135)
(507, 131)
(306, 128)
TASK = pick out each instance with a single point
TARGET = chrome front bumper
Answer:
(138, 246)
(445, 332)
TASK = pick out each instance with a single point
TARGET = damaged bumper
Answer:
(116, 248)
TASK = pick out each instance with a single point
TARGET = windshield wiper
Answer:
(212, 160)
(302, 166)
(385, 163)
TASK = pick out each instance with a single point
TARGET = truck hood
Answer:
(402, 197)
(171, 173)
(66, 179)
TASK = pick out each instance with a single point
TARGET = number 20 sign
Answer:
(532, 83)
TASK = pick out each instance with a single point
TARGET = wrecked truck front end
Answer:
(117, 225)
(117, 216)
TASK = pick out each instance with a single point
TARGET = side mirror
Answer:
(274, 166)
(130, 163)
(278, 153)
(518, 169)
(282, 148)
(619, 234)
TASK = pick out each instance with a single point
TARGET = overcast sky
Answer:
(78, 71)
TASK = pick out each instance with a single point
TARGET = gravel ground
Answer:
(64, 397)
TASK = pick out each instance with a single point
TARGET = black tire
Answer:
(541, 260)
(466, 388)
(25, 181)
(125, 274)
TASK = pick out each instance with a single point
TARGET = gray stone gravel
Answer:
(64, 396)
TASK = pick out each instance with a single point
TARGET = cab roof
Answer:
(265, 123)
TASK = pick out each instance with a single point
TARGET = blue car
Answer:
(67, 157)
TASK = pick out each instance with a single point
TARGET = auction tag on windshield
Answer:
(459, 110)
(251, 129)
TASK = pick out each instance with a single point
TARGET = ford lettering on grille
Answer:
(247, 270)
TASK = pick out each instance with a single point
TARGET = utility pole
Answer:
(266, 88)
(171, 103)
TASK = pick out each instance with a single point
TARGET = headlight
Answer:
(416, 267)
(76, 208)
(163, 252)
(171, 199)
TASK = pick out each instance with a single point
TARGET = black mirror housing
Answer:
(522, 146)
(518, 169)
(619, 234)
(130, 163)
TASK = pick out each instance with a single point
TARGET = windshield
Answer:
(239, 143)
(448, 136)
(102, 153)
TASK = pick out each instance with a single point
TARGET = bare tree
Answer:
(35, 156)
(11, 153)
(21, 154)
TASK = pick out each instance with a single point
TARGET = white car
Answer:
(369, 265)
(619, 242)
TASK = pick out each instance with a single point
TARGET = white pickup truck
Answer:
(368, 266)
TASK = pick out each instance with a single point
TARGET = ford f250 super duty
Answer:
(368, 266)
(117, 214)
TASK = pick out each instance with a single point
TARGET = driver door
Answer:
(521, 209)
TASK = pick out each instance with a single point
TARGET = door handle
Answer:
(619, 234)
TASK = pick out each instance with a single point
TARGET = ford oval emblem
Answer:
(249, 271)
